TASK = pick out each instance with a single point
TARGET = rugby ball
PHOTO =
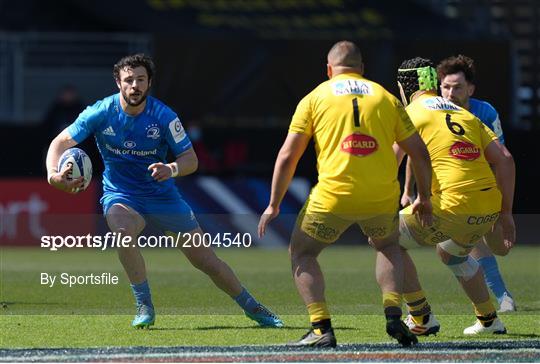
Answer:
(82, 165)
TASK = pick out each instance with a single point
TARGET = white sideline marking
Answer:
(437, 353)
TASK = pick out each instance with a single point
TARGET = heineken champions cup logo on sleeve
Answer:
(177, 130)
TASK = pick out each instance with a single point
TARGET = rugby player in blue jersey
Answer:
(456, 75)
(134, 132)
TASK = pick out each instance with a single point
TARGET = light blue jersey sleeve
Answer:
(88, 122)
(484, 111)
(176, 136)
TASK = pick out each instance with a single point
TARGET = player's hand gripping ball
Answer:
(80, 163)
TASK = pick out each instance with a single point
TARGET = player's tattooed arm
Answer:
(59, 179)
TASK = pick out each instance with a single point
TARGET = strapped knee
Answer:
(463, 266)
(406, 240)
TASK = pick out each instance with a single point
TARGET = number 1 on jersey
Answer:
(356, 112)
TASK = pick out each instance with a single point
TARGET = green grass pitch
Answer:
(191, 311)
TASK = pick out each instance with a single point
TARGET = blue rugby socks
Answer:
(246, 301)
(493, 277)
(141, 292)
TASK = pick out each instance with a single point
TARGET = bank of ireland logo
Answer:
(129, 144)
(152, 132)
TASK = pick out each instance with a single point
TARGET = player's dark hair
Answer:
(452, 65)
(416, 74)
(134, 61)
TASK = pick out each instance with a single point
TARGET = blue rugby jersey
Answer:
(488, 115)
(128, 145)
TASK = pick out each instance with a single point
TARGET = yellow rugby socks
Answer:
(392, 305)
(418, 306)
(485, 312)
(319, 316)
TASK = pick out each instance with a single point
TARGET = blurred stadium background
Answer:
(234, 72)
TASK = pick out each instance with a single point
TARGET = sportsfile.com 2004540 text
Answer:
(119, 240)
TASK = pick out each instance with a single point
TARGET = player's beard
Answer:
(137, 103)
(458, 102)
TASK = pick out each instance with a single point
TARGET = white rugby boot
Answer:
(431, 326)
(496, 327)
(507, 304)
